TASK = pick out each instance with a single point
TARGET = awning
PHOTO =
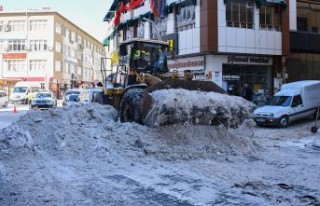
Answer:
(111, 11)
(106, 41)
(268, 2)
(271, 2)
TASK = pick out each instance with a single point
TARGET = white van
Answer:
(21, 90)
(294, 101)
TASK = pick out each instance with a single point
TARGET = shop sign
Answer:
(192, 63)
(14, 56)
(249, 60)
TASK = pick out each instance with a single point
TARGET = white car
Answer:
(3, 98)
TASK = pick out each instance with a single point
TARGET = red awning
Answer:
(31, 79)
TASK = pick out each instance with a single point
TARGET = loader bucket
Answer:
(169, 83)
(175, 101)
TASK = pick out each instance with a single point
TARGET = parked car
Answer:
(295, 100)
(3, 98)
(21, 90)
(44, 100)
(68, 92)
(88, 95)
(70, 99)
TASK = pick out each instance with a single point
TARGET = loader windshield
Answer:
(148, 57)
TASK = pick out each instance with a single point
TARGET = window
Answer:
(270, 17)
(79, 71)
(17, 25)
(16, 65)
(79, 39)
(58, 28)
(38, 25)
(73, 37)
(2, 25)
(58, 65)
(239, 13)
(308, 17)
(58, 47)
(66, 68)
(297, 100)
(37, 64)
(185, 19)
(161, 25)
(16, 45)
(38, 45)
(67, 33)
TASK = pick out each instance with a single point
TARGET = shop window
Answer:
(239, 13)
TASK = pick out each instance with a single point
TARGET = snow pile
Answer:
(93, 126)
(208, 108)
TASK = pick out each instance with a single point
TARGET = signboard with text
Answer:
(192, 63)
(232, 59)
(14, 56)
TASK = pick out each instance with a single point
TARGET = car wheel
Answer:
(6, 104)
(283, 122)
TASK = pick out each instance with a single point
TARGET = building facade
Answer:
(42, 45)
(304, 59)
(226, 41)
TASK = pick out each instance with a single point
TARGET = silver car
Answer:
(43, 100)
(3, 98)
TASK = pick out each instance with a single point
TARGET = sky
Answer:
(87, 14)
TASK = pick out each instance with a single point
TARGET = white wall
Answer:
(214, 64)
(246, 41)
(189, 40)
(293, 15)
(31, 35)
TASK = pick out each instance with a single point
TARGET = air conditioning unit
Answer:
(7, 28)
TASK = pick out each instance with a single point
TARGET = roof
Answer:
(294, 88)
(299, 84)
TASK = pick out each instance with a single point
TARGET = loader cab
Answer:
(145, 56)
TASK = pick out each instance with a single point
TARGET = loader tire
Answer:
(130, 106)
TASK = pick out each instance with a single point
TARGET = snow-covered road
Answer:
(81, 156)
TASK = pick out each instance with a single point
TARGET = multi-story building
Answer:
(226, 41)
(304, 59)
(42, 45)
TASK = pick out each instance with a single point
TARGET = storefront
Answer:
(232, 71)
(256, 71)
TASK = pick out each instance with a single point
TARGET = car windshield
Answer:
(72, 92)
(19, 90)
(280, 101)
(73, 97)
(35, 89)
(43, 95)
